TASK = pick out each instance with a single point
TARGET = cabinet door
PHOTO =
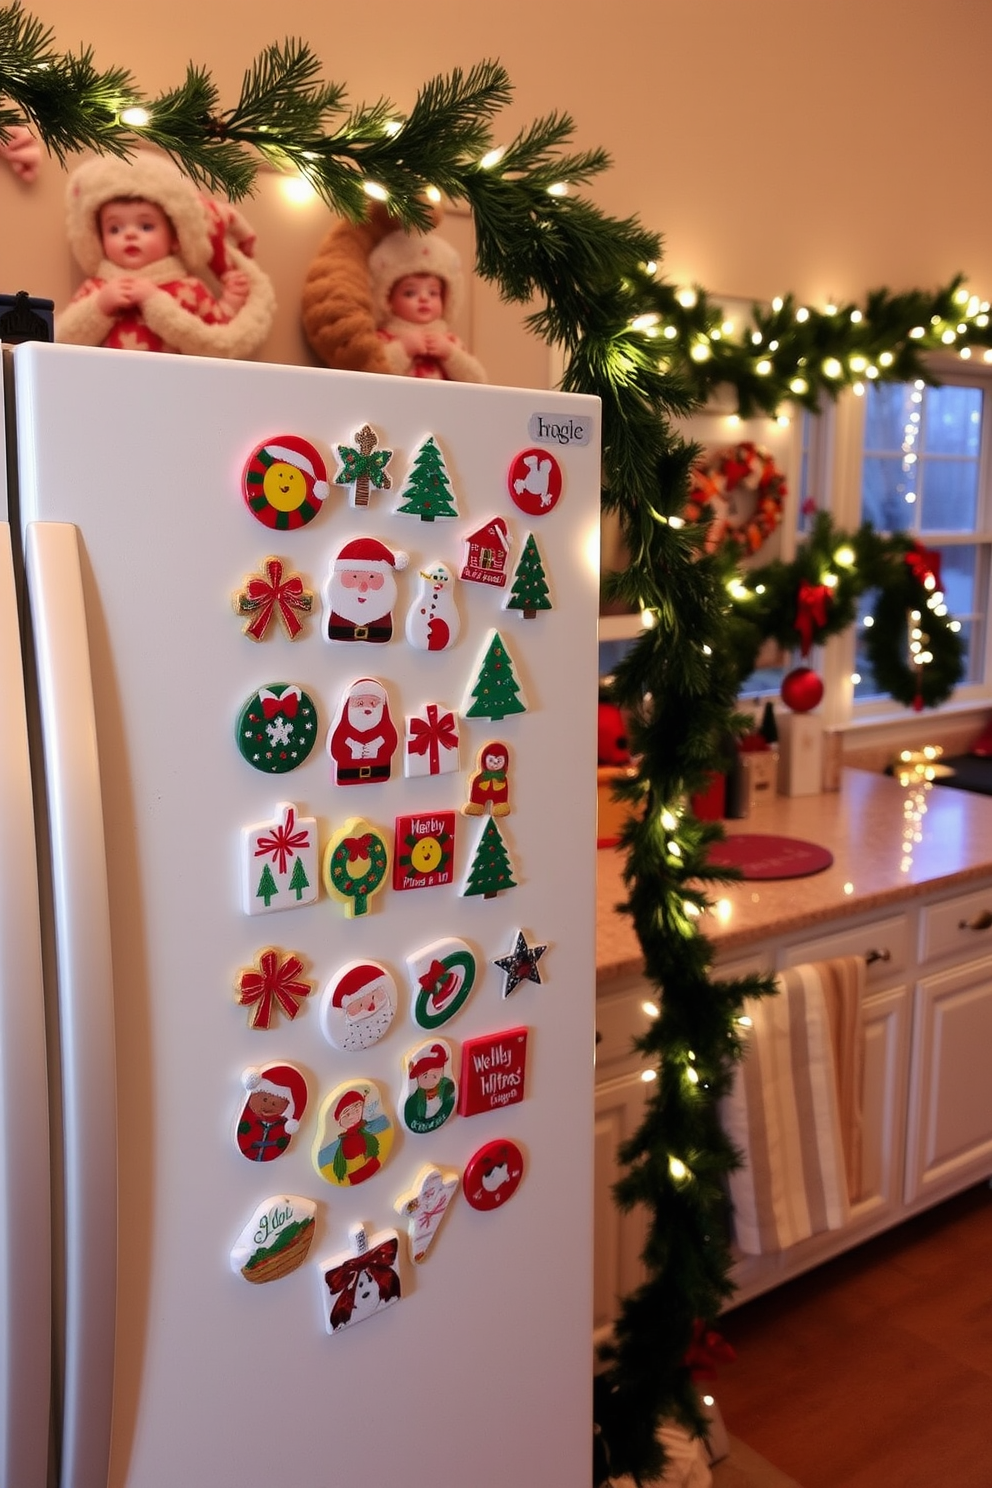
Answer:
(886, 1056)
(950, 1095)
(619, 1238)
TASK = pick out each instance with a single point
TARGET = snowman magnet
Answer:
(362, 1281)
(430, 1092)
(424, 1207)
(354, 1135)
(432, 621)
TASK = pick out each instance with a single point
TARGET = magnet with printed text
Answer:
(354, 1134)
(535, 482)
(485, 554)
(276, 1240)
(494, 1071)
(276, 1099)
(279, 868)
(276, 728)
(284, 483)
(424, 850)
(360, 1282)
(273, 594)
(424, 1207)
(442, 976)
(492, 1175)
(358, 1005)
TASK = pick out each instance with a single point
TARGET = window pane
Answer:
(867, 687)
(953, 421)
(885, 487)
(949, 496)
(957, 577)
(887, 411)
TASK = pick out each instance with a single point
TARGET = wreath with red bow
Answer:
(714, 480)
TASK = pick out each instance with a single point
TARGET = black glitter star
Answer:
(521, 964)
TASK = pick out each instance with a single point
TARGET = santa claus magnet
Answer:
(357, 1006)
(535, 482)
(362, 1281)
(493, 1174)
(279, 867)
(354, 1134)
(276, 728)
(432, 621)
(272, 1112)
(284, 483)
(363, 738)
(276, 1240)
(424, 850)
(442, 975)
(360, 592)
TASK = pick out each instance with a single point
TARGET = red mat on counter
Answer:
(759, 855)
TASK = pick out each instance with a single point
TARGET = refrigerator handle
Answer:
(85, 992)
(25, 1178)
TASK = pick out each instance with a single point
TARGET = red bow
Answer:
(437, 733)
(707, 1350)
(433, 976)
(379, 1262)
(924, 563)
(811, 611)
(357, 847)
(274, 982)
(264, 598)
(288, 703)
(283, 841)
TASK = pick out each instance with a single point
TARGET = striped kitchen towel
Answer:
(795, 1108)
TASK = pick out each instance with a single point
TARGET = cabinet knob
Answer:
(980, 922)
(875, 955)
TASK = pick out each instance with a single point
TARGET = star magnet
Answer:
(521, 964)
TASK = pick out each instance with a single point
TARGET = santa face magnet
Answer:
(358, 1006)
(360, 593)
(363, 740)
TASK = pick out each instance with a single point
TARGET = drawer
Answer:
(957, 927)
(619, 1020)
(884, 943)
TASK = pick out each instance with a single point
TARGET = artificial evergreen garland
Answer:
(626, 335)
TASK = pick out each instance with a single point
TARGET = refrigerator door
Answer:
(480, 1372)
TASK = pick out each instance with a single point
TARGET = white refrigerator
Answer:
(297, 949)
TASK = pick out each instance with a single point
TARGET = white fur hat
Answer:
(152, 177)
(402, 253)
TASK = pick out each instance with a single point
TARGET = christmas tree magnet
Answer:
(271, 1115)
(535, 482)
(279, 862)
(363, 467)
(442, 975)
(432, 622)
(492, 1175)
(493, 1072)
(357, 1006)
(490, 871)
(362, 1281)
(521, 964)
(360, 591)
(486, 552)
(284, 482)
(427, 492)
(276, 728)
(424, 1207)
(354, 1134)
(276, 1240)
(275, 981)
(270, 595)
(362, 739)
(430, 1091)
(488, 787)
(529, 587)
(356, 862)
(425, 847)
(431, 746)
(496, 690)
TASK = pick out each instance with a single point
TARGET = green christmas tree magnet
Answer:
(491, 871)
(427, 492)
(356, 863)
(363, 467)
(529, 587)
(496, 691)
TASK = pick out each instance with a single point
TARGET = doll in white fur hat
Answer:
(146, 238)
(416, 282)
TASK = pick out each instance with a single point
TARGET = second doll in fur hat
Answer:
(416, 282)
(146, 239)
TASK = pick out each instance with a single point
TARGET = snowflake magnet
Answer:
(284, 483)
(276, 728)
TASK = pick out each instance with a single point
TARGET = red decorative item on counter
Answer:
(812, 603)
(802, 689)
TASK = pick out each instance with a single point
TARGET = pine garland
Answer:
(539, 240)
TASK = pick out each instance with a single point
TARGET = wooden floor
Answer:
(875, 1371)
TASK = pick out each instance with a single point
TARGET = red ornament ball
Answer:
(802, 689)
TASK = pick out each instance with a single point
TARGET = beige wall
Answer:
(777, 145)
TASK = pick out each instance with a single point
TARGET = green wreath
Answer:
(891, 645)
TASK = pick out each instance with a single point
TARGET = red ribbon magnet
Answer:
(270, 594)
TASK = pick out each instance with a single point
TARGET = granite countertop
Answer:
(863, 824)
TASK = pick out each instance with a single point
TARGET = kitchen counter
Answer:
(864, 825)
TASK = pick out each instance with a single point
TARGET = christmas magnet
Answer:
(424, 1207)
(486, 552)
(362, 1281)
(442, 975)
(529, 587)
(273, 595)
(363, 467)
(279, 862)
(521, 964)
(431, 746)
(427, 492)
(276, 1240)
(277, 1099)
(535, 482)
(276, 728)
(274, 981)
(488, 786)
(358, 1006)
(356, 862)
(284, 482)
(430, 1092)
(354, 1134)
(362, 740)
(432, 622)
(493, 1072)
(360, 592)
(490, 871)
(425, 847)
(492, 1175)
(496, 691)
